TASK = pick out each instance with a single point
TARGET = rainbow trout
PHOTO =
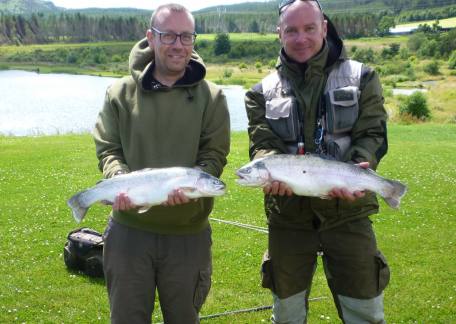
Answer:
(146, 188)
(311, 175)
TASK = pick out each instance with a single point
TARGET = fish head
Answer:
(208, 185)
(253, 174)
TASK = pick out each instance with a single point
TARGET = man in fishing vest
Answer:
(319, 101)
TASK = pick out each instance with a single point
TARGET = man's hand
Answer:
(176, 197)
(122, 202)
(344, 194)
(278, 188)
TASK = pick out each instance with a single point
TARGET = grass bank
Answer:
(445, 23)
(38, 174)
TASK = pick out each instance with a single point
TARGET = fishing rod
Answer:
(246, 310)
(247, 226)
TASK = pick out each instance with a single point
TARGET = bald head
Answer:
(307, 5)
(302, 30)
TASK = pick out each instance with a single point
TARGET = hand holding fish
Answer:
(312, 176)
(176, 197)
(122, 202)
(344, 193)
(146, 188)
(277, 188)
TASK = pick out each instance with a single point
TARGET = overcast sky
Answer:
(192, 5)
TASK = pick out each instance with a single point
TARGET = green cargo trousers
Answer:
(138, 263)
(356, 272)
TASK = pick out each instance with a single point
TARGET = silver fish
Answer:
(311, 175)
(146, 188)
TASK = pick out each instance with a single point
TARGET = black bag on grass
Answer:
(84, 251)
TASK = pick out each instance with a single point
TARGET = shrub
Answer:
(410, 73)
(415, 105)
(429, 49)
(404, 53)
(227, 73)
(415, 41)
(242, 66)
(222, 44)
(364, 55)
(200, 44)
(432, 68)
(452, 60)
(72, 58)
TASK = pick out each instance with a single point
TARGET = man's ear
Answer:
(150, 38)
(325, 27)
(278, 32)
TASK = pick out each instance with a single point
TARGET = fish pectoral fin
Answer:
(144, 209)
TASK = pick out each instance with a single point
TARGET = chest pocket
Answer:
(341, 109)
(281, 115)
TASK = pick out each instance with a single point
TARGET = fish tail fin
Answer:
(77, 206)
(395, 193)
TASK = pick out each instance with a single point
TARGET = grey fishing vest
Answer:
(340, 102)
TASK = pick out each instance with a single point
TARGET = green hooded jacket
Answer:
(144, 124)
(368, 137)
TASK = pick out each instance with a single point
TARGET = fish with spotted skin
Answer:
(313, 176)
(147, 188)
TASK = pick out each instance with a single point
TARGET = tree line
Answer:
(79, 27)
(39, 28)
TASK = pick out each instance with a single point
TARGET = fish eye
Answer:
(247, 170)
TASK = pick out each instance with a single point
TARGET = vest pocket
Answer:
(281, 114)
(341, 109)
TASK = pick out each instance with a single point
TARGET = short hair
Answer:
(173, 7)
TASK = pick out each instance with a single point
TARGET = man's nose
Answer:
(301, 37)
(178, 42)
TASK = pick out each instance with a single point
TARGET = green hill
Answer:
(27, 6)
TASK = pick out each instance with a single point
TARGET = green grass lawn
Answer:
(38, 174)
(445, 23)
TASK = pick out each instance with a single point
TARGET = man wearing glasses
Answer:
(319, 101)
(165, 114)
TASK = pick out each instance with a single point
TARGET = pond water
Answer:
(49, 104)
(407, 92)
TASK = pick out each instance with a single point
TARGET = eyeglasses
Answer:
(169, 38)
(285, 3)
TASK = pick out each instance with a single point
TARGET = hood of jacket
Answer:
(141, 63)
(333, 50)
